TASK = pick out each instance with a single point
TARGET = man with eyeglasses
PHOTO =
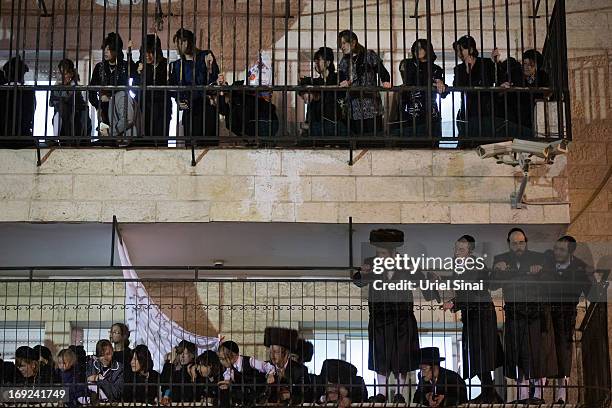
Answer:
(528, 336)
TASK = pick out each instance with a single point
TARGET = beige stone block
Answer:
(417, 213)
(556, 214)
(401, 162)
(52, 187)
(364, 213)
(538, 189)
(324, 163)
(474, 189)
(283, 212)
(469, 213)
(135, 211)
(16, 187)
(260, 162)
(14, 210)
(83, 161)
(463, 163)
(241, 211)
(183, 211)
(215, 188)
(173, 162)
(18, 161)
(280, 188)
(316, 212)
(504, 214)
(389, 189)
(333, 189)
(65, 211)
(135, 188)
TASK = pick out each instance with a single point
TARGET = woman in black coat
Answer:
(156, 104)
(71, 116)
(143, 383)
(415, 72)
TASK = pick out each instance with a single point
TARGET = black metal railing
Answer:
(198, 308)
(260, 79)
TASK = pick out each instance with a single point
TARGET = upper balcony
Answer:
(436, 107)
(259, 80)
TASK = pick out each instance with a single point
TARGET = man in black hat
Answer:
(287, 377)
(528, 334)
(392, 330)
(438, 387)
(569, 279)
(481, 346)
(243, 383)
(340, 384)
(303, 354)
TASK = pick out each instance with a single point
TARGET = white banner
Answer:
(148, 324)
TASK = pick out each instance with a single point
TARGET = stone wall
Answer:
(383, 186)
(589, 163)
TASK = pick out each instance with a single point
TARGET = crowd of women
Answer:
(331, 113)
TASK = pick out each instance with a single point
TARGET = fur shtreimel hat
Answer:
(387, 238)
(281, 336)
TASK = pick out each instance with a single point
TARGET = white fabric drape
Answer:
(148, 324)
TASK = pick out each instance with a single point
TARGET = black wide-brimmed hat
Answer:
(304, 350)
(387, 238)
(281, 336)
(337, 372)
(430, 355)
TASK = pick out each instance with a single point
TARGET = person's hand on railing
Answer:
(166, 400)
(345, 84)
(500, 266)
(387, 85)
(495, 54)
(506, 85)
(140, 68)
(448, 305)
(534, 269)
(440, 86)
(223, 385)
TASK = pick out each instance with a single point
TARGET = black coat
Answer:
(482, 74)
(17, 108)
(247, 114)
(326, 105)
(481, 346)
(139, 388)
(104, 74)
(178, 381)
(72, 110)
(156, 104)
(448, 383)
(294, 379)
(414, 103)
(564, 291)
(529, 342)
(392, 330)
(247, 387)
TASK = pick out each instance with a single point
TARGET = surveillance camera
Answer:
(494, 150)
(218, 263)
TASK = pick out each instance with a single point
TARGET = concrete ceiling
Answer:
(236, 244)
